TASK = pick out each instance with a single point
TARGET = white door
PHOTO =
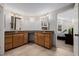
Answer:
(1, 31)
(76, 29)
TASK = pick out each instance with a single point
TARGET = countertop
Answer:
(30, 30)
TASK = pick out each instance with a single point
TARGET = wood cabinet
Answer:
(41, 39)
(25, 38)
(44, 39)
(15, 39)
(8, 41)
(20, 39)
(36, 38)
(48, 39)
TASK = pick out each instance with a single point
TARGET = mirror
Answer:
(15, 23)
(45, 23)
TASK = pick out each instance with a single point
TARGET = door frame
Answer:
(76, 29)
(75, 40)
(1, 30)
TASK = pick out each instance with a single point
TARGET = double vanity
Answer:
(14, 39)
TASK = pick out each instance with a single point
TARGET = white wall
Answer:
(31, 23)
(1, 31)
(53, 25)
(7, 20)
(53, 21)
(28, 23)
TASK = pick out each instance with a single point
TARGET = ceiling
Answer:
(33, 9)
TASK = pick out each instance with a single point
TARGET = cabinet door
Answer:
(25, 37)
(8, 42)
(48, 40)
(21, 39)
(41, 39)
(36, 38)
(15, 40)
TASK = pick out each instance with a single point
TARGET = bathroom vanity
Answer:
(15, 39)
(44, 39)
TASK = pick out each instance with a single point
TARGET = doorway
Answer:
(65, 29)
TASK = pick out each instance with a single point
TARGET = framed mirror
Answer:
(15, 23)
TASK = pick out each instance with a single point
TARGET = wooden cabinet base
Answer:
(8, 41)
(8, 46)
(13, 39)
(44, 39)
(16, 39)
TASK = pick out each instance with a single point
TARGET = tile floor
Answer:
(61, 44)
(36, 50)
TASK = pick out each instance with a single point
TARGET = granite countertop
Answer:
(31, 30)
